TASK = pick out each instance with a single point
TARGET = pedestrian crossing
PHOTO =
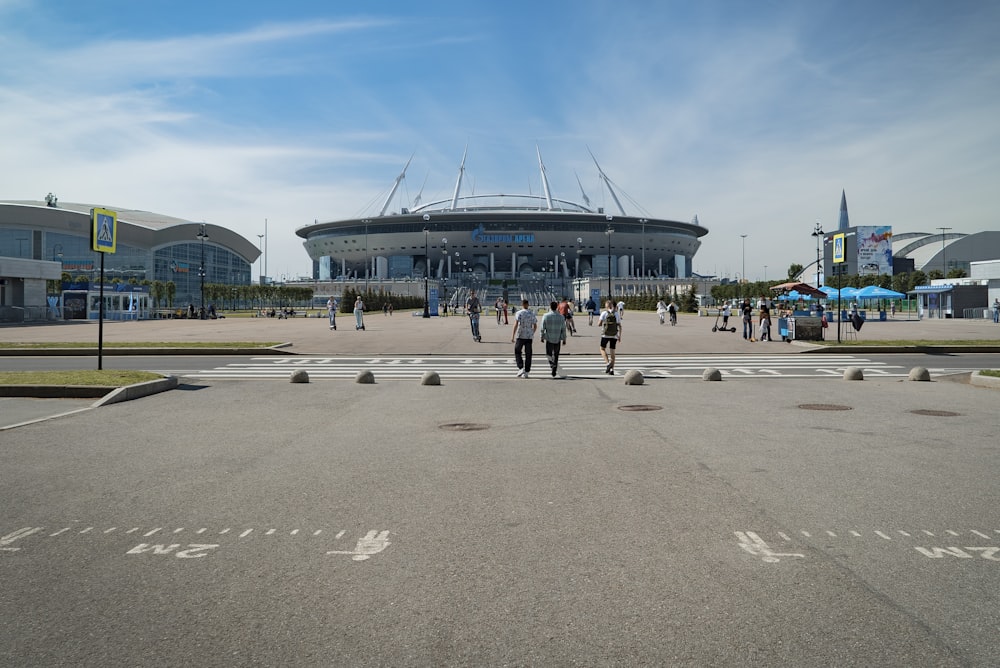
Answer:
(573, 366)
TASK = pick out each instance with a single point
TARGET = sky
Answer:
(752, 116)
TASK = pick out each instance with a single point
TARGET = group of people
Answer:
(555, 326)
(746, 314)
(359, 313)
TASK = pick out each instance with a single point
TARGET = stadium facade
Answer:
(500, 236)
(40, 241)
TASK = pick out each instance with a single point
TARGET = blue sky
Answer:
(754, 116)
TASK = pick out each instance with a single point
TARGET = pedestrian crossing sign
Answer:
(104, 230)
(838, 249)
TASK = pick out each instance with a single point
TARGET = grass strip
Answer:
(91, 378)
(32, 345)
(915, 342)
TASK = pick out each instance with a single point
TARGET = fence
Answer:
(18, 314)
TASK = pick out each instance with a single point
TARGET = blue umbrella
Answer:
(875, 292)
(848, 293)
(831, 293)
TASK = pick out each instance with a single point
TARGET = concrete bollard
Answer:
(634, 377)
(919, 373)
(711, 373)
(853, 373)
(430, 378)
(365, 377)
(300, 376)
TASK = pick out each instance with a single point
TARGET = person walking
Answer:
(765, 322)
(591, 311)
(359, 313)
(473, 309)
(566, 310)
(331, 312)
(661, 311)
(996, 311)
(747, 311)
(498, 306)
(611, 334)
(553, 335)
(525, 324)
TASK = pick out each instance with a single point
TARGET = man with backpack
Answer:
(611, 334)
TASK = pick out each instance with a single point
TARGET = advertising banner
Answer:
(875, 250)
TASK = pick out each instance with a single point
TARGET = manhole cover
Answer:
(934, 413)
(824, 407)
(464, 426)
(640, 407)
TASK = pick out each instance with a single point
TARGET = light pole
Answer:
(818, 233)
(609, 232)
(944, 253)
(202, 235)
(427, 269)
(367, 263)
(643, 262)
(744, 272)
(576, 274)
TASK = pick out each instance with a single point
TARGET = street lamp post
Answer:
(427, 269)
(944, 253)
(202, 235)
(609, 232)
(367, 261)
(643, 262)
(818, 233)
(744, 272)
(260, 247)
(576, 274)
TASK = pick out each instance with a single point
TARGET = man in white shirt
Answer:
(525, 324)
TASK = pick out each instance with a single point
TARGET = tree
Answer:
(794, 270)
(901, 282)
(935, 274)
(689, 299)
(957, 272)
(917, 278)
(171, 293)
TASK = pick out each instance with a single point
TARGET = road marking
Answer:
(882, 535)
(980, 534)
(246, 533)
(373, 543)
(59, 532)
(5, 541)
(751, 543)
(578, 366)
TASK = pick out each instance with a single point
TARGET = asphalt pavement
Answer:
(504, 522)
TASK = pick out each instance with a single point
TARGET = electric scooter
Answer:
(716, 328)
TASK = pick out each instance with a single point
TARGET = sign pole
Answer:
(103, 239)
(100, 321)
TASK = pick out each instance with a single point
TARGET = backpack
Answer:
(610, 325)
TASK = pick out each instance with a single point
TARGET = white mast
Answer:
(545, 179)
(416, 200)
(607, 182)
(458, 183)
(395, 186)
(586, 200)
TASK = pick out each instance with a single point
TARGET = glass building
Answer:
(43, 242)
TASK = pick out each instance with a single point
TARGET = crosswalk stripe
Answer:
(586, 366)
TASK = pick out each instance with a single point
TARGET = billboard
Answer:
(875, 250)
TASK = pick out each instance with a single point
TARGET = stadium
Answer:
(496, 238)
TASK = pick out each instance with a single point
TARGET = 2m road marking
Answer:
(751, 543)
(372, 543)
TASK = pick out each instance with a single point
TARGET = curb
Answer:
(138, 352)
(979, 380)
(104, 395)
(868, 350)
